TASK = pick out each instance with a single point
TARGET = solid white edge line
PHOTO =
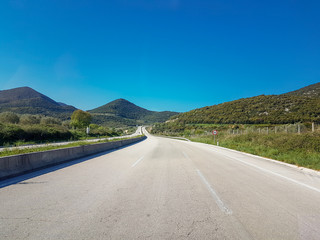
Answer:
(133, 165)
(276, 174)
(219, 202)
(307, 170)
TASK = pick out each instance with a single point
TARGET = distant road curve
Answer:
(163, 188)
(138, 132)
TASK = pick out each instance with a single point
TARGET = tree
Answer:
(80, 119)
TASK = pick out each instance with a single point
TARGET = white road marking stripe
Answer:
(277, 174)
(219, 202)
(186, 155)
(133, 165)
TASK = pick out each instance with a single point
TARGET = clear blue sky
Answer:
(160, 54)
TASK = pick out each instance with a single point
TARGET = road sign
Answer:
(215, 132)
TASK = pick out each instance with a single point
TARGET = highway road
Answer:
(163, 188)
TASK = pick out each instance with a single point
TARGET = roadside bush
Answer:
(11, 133)
(77, 134)
(96, 130)
(46, 133)
(37, 129)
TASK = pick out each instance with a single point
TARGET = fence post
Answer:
(259, 130)
(286, 129)
(313, 127)
(299, 130)
(275, 129)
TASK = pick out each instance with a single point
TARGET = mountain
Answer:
(129, 113)
(25, 100)
(118, 113)
(309, 91)
(122, 108)
(302, 105)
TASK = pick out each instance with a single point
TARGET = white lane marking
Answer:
(133, 165)
(219, 202)
(277, 174)
(186, 155)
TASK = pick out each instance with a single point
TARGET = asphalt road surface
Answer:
(163, 189)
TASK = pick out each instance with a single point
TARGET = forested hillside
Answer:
(308, 91)
(293, 107)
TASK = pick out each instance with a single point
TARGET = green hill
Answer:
(309, 91)
(125, 112)
(25, 100)
(302, 105)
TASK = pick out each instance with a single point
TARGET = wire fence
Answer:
(287, 128)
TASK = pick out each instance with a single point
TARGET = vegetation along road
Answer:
(136, 133)
(163, 188)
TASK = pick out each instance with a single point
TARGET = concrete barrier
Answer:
(15, 165)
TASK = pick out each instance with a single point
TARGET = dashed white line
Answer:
(186, 155)
(133, 165)
(215, 196)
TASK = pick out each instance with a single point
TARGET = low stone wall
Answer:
(11, 166)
